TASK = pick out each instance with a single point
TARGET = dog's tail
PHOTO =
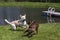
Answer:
(13, 25)
(7, 21)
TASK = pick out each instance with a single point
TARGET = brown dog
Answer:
(33, 28)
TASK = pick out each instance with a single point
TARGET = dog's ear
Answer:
(30, 22)
(20, 15)
(24, 14)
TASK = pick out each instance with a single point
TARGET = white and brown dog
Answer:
(22, 22)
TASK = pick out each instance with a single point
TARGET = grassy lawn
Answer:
(30, 4)
(46, 32)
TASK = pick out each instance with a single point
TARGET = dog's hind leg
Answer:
(13, 26)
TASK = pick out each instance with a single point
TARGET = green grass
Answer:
(46, 32)
(30, 4)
